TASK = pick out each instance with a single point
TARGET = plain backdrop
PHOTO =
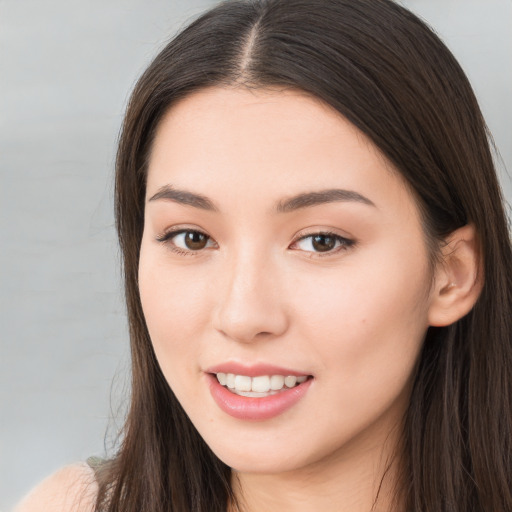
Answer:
(66, 70)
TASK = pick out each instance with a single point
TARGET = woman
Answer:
(318, 274)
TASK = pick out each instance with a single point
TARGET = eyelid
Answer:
(180, 228)
(168, 234)
(345, 242)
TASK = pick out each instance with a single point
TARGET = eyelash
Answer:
(167, 237)
(344, 243)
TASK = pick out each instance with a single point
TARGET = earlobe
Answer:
(458, 278)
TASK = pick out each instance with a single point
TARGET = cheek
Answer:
(366, 329)
(369, 317)
(174, 304)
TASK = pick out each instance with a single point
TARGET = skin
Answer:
(353, 317)
(71, 489)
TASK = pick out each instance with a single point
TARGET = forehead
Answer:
(265, 144)
(256, 117)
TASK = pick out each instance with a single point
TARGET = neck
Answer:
(358, 478)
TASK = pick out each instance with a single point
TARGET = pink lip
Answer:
(256, 409)
(252, 370)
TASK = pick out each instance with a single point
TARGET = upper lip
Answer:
(253, 370)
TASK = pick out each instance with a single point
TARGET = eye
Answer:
(323, 243)
(186, 240)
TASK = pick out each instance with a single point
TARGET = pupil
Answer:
(323, 243)
(195, 240)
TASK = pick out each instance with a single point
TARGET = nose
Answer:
(250, 303)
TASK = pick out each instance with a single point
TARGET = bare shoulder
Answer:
(71, 489)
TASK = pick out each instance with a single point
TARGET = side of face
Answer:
(235, 275)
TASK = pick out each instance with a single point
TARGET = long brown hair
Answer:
(389, 74)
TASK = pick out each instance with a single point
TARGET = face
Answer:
(284, 278)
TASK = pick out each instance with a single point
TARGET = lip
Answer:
(256, 409)
(253, 370)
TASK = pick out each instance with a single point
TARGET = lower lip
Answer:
(256, 409)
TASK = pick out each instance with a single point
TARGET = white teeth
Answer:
(290, 381)
(262, 385)
(230, 381)
(276, 382)
(242, 383)
(254, 394)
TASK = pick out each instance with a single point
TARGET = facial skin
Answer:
(354, 317)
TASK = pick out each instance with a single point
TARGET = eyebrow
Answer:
(184, 197)
(309, 199)
(297, 202)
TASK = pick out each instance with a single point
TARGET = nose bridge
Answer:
(249, 302)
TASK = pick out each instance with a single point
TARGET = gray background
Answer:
(66, 70)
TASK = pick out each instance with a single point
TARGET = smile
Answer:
(259, 386)
(264, 394)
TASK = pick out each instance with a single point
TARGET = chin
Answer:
(272, 452)
(259, 463)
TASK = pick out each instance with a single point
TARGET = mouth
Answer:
(259, 386)
(268, 391)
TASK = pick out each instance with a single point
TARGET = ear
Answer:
(458, 278)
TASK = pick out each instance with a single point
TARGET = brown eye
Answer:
(329, 243)
(323, 243)
(186, 241)
(194, 240)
